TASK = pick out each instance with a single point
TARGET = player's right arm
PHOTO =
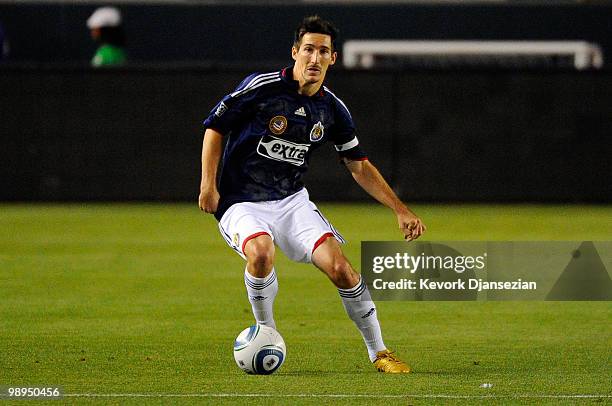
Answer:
(211, 154)
(227, 115)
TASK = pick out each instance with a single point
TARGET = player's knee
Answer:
(342, 274)
(260, 265)
(260, 258)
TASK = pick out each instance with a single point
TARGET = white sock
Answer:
(261, 293)
(362, 310)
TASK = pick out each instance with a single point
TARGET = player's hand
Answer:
(411, 226)
(208, 200)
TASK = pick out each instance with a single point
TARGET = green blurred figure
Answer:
(107, 31)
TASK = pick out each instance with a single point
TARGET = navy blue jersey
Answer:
(272, 132)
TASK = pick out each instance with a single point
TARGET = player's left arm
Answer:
(370, 179)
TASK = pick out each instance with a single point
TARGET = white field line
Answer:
(324, 395)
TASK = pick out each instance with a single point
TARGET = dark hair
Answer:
(317, 25)
(112, 36)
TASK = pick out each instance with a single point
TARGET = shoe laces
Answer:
(391, 356)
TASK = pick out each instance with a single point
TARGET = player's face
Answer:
(312, 58)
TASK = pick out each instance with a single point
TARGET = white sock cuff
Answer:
(259, 283)
(355, 291)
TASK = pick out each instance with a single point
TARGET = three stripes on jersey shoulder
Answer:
(258, 81)
(352, 143)
(338, 99)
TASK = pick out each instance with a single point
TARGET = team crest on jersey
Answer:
(317, 132)
(236, 239)
(282, 150)
(278, 125)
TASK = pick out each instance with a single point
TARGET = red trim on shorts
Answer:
(250, 237)
(321, 240)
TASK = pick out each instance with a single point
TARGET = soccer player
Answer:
(274, 122)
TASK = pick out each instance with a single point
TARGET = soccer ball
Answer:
(259, 350)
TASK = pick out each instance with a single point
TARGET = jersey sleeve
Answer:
(343, 133)
(236, 107)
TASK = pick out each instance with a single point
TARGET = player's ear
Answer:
(334, 56)
(294, 52)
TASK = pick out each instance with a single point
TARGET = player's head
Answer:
(313, 49)
(315, 25)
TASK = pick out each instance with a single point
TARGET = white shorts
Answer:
(294, 223)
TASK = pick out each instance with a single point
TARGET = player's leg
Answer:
(245, 229)
(259, 252)
(303, 233)
(260, 278)
(328, 257)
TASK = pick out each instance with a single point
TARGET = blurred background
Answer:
(455, 101)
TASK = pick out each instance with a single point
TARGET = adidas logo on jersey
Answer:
(282, 150)
(300, 112)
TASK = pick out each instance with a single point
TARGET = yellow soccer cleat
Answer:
(387, 362)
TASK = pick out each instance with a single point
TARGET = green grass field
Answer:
(147, 299)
